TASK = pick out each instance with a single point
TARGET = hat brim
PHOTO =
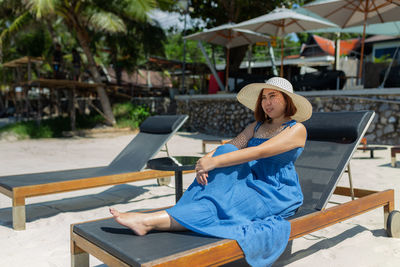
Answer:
(248, 96)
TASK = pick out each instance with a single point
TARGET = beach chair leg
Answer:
(350, 182)
(18, 214)
(393, 162)
(204, 147)
(387, 209)
(79, 258)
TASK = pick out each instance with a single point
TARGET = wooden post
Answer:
(27, 103)
(39, 108)
(72, 108)
(29, 69)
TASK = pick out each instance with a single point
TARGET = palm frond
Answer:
(108, 22)
(138, 9)
(41, 7)
(16, 25)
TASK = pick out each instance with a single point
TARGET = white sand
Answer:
(360, 241)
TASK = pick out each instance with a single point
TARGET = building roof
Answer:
(157, 63)
(22, 61)
(380, 38)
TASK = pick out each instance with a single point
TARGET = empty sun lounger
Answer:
(126, 167)
(332, 140)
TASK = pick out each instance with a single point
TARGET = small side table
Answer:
(177, 164)
(393, 151)
(371, 149)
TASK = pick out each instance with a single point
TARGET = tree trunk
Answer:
(84, 41)
(51, 31)
(1, 51)
(116, 66)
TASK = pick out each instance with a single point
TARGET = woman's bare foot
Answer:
(132, 220)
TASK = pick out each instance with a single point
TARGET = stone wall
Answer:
(222, 115)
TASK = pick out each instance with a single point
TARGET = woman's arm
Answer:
(239, 141)
(288, 139)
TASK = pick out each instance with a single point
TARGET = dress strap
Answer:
(288, 123)
(257, 126)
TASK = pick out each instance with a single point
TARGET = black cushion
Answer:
(343, 127)
(161, 124)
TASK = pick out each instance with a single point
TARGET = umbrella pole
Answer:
(281, 72)
(227, 70)
(362, 51)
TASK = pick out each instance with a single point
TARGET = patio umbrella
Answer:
(347, 13)
(229, 37)
(282, 21)
(387, 28)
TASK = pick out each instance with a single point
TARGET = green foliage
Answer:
(174, 49)
(34, 43)
(29, 129)
(130, 115)
(50, 128)
(383, 59)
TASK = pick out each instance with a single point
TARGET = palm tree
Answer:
(83, 16)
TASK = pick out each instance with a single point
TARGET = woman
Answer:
(244, 189)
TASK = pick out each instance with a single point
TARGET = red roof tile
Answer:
(326, 45)
(346, 46)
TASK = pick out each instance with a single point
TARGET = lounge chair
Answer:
(332, 140)
(154, 132)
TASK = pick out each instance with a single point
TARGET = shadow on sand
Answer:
(287, 257)
(118, 194)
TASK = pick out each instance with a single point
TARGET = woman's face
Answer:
(273, 103)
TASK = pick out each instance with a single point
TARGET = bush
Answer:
(126, 115)
(130, 115)
(50, 128)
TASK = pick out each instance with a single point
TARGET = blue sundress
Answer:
(246, 202)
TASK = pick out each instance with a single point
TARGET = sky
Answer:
(169, 19)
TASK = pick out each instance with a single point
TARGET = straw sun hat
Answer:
(248, 96)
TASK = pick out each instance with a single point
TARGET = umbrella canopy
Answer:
(282, 21)
(347, 13)
(388, 28)
(229, 37)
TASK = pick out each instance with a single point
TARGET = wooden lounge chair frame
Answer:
(228, 250)
(18, 194)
